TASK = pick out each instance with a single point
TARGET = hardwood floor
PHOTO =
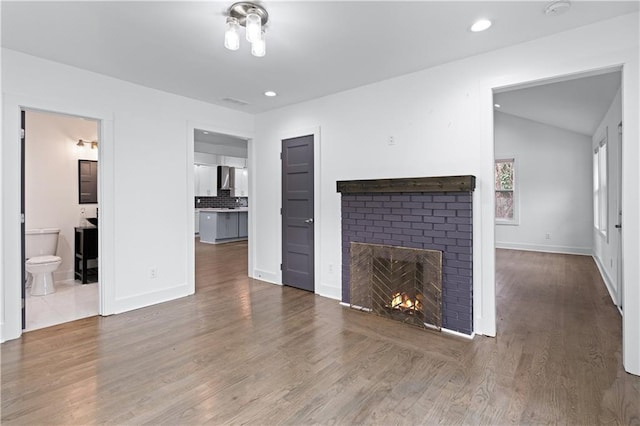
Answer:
(245, 352)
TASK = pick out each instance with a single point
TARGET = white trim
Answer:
(11, 240)
(427, 326)
(582, 251)
(628, 61)
(148, 299)
(267, 276)
(328, 291)
(608, 282)
(458, 334)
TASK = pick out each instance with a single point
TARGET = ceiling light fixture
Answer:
(270, 93)
(557, 7)
(480, 25)
(496, 105)
(253, 17)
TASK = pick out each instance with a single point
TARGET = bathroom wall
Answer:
(51, 177)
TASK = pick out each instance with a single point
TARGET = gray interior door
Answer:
(297, 212)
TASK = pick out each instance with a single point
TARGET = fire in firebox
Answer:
(403, 302)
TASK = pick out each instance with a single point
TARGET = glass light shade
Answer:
(232, 34)
(253, 24)
(259, 47)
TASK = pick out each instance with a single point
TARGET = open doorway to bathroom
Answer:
(59, 187)
(221, 198)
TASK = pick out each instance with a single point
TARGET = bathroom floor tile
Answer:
(70, 302)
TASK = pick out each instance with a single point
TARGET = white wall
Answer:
(51, 177)
(606, 248)
(554, 186)
(146, 178)
(442, 122)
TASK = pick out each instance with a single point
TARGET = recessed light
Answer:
(496, 105)
(270, 93)
(205, 133)
(480, 25)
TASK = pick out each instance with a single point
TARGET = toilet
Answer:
(40, 249)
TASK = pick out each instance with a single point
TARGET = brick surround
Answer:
(424, 220)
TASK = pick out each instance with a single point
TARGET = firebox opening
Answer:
(399, 283)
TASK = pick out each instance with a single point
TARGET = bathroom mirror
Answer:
(87, 182)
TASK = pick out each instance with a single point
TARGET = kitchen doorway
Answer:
(221, 197)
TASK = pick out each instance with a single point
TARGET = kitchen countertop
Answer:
(224, 210)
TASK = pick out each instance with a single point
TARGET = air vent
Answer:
(235, 101)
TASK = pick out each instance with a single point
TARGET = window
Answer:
(505, 185)
(600, 193)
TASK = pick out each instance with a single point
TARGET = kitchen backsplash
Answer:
(223, 200)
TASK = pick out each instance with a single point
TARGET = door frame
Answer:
(11, 247)
(319, 288)
(190, 195)
(486, 302)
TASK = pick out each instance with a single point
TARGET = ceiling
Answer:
(578, 104)
(314, 48)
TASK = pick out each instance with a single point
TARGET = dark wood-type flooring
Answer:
(246, 352)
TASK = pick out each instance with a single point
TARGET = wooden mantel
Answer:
(421, 184)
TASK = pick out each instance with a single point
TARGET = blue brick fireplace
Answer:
(423, 213)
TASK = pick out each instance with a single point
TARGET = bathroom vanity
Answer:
(86, 254)
(223, 225)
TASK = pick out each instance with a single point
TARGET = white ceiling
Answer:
(577, 105)
(314, 48)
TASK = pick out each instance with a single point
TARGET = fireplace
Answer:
(431, 214)
(402, 284)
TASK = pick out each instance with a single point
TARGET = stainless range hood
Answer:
(226, 177)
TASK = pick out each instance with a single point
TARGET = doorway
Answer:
(221, 196)
(298, 212)
(554, 131)
(53, 148)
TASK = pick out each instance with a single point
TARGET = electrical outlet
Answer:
(153, 273)
(331, 268)
(391, 140)
(547, 236)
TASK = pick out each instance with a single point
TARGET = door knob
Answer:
(310, 220)
(619, 226)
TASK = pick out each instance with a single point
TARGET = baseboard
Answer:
(269, 277)
(444, 330)
(148, 299)
(583, 251)
(458, 334)
(328, 291)
(608, 282)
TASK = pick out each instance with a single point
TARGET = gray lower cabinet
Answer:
(243, 225)
(218, 227)
(227, 226)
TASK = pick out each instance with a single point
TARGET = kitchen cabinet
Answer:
(243, 225)
(197, 221)
(206, 180)
(223, 225)
(237, 162)
(241, 187)
(227, 226)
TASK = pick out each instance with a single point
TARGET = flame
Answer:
(403, 301)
